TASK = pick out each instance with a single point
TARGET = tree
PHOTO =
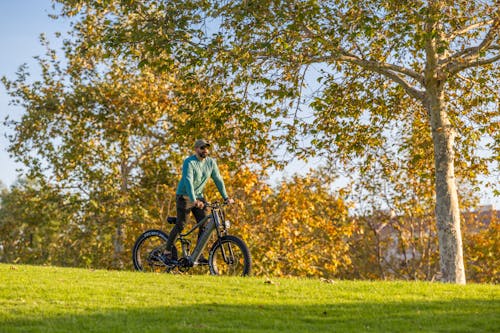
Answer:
(36, 221)
(379, 63)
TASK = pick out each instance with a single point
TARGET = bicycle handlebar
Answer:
(216, 204)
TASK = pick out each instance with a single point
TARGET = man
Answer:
(196, 170)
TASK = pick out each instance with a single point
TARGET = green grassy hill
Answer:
(52, 299)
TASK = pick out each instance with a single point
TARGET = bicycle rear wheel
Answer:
(230, 256)
(148, 252)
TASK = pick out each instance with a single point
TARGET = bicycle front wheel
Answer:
(229, 256)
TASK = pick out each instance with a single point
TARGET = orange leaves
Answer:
(482, 246)
(295, 229)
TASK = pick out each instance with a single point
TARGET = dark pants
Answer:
(184, 206)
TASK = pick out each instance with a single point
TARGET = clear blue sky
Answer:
(21, 23)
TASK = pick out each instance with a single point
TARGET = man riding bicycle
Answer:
(196, 170)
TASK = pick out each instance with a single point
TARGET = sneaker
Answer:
(167, 259)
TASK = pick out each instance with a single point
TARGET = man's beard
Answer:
(203, 154)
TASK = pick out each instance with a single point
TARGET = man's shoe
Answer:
(166, 258)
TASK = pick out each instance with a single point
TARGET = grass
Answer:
(53, 299)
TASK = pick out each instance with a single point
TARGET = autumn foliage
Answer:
(482, 246)
(298, 229)
(380, 89)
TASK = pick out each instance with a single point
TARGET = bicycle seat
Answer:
(171, 219)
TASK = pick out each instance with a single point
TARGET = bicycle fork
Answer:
(227, 259)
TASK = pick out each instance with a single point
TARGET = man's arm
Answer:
(218, 181)
(187, 174)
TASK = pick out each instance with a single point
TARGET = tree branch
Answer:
(388, 70)
(473, 63)
(431, 57)
(457, 33)
(468, 57)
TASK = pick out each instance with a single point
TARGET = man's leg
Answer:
(199, 214)
(183, 208)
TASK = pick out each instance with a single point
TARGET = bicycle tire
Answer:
(229, 255)
(147, 249)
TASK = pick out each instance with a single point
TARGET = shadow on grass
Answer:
(456, 316)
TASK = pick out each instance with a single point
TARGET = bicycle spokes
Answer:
(230, 256)
(150, 254)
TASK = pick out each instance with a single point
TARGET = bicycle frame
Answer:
(213, 223)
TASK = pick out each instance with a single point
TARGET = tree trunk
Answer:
(447, 208)
(118, 245)
(119, 238)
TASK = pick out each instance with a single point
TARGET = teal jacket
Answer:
(195, 174)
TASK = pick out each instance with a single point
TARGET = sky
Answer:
(21, 23)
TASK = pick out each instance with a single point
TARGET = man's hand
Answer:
(229, 201)
(199, 204)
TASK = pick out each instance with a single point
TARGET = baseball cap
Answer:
(201, 143)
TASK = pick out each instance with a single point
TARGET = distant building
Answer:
(403, 241)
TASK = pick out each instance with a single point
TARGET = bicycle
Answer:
(229, 255)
